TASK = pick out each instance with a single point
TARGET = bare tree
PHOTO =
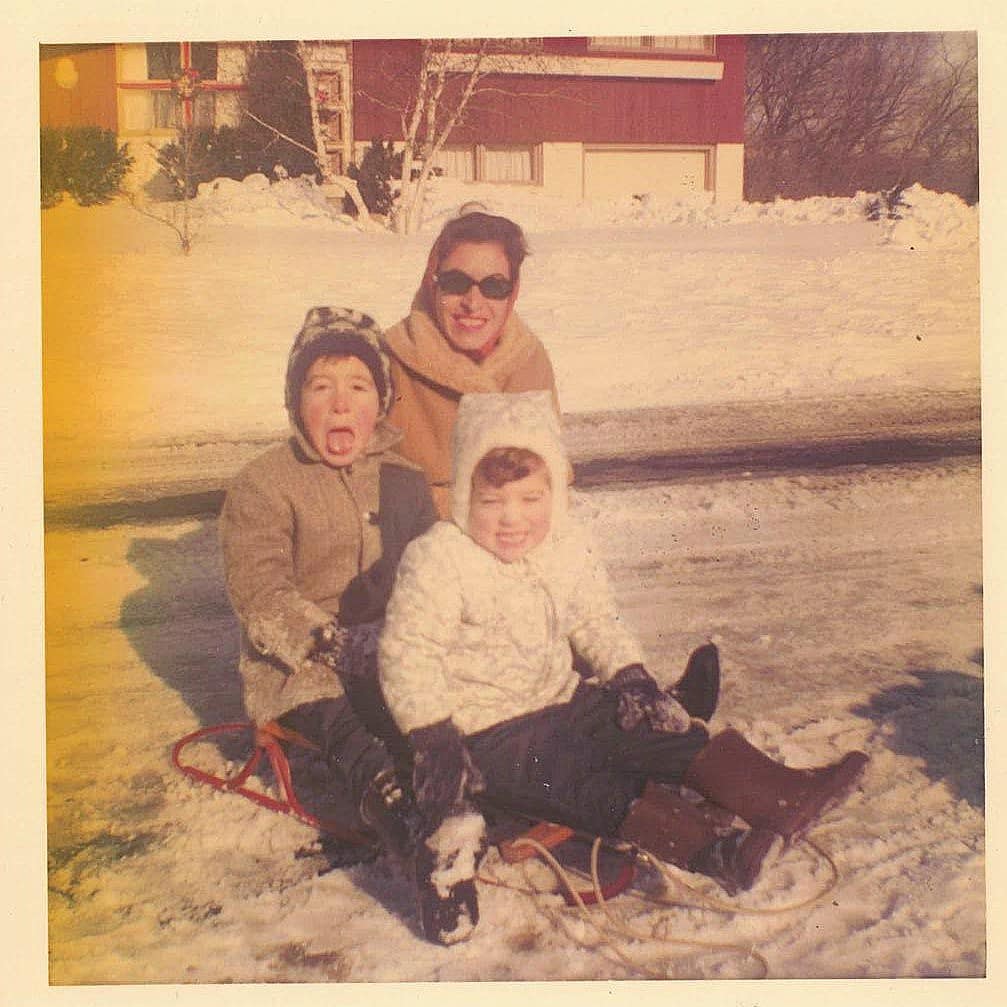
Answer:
(428, 120)
(832, 113)
(432, 95)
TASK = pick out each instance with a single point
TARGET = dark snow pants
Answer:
(572, 764)
(347, 747)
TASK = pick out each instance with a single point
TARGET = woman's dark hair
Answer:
(480, 228)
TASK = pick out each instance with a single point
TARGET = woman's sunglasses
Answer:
(495, 287)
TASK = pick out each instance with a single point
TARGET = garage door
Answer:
(614, 172)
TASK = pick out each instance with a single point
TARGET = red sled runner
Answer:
(267, 743)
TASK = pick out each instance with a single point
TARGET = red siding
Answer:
(530, 109)
(92, 100)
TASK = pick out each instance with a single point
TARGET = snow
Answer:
(847, 604)
(670, 289)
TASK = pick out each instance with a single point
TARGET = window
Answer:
(456, 162)
(506, 164)
(506, 45)
(166, 61)
(167, 110)
(655, 43)
(491, 163)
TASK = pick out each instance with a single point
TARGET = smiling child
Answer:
(476, 664)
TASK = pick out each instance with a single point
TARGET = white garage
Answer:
(614, 171)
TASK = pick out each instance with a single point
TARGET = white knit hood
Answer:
(488, 420)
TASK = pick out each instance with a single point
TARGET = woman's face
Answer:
(471, 321)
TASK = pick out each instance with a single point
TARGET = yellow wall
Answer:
(77, 85)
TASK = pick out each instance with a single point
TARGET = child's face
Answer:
(510, 520)
(339, 408)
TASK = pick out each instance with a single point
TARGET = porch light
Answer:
(65, 73)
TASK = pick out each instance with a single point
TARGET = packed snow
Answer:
(847, 603)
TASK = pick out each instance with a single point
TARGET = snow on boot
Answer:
(766, 793)
(675, 830)
(699, 687)
(445, 865)
(388, 810)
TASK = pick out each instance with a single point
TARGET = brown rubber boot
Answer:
(766, 793)
(672, 828)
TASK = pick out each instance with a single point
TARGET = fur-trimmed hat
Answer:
(337, 332)
(488, 420)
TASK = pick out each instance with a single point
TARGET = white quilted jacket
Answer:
(480, 641)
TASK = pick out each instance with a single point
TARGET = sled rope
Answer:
(671, 874)
(620, 927)
(613, 927)
(719, 905)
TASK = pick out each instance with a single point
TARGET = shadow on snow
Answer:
(939, 720)
(183, 627)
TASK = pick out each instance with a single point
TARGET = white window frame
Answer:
(655, 43)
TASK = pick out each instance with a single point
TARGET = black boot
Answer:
(735, 860)
(446, 863)
(699, 687)
(441, 863)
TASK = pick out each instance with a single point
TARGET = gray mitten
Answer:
(641, 698)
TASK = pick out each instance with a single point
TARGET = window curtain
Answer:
(456, 162)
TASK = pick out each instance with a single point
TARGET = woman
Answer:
(462, 335)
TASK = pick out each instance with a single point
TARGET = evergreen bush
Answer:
(51, 164)
(203, 154)
(887, 204)
(84, 161)
(379, 165)
(277, 95)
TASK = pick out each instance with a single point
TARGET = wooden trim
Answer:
(667, 68)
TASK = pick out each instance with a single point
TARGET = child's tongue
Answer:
(340, 441)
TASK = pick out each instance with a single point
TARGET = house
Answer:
(583, 117)
(589, 118)
(142, 91)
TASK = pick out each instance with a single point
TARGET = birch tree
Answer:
(429, 118)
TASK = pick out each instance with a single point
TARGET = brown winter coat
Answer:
(305, 542)
(429, 378)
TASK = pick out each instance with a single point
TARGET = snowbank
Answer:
(280, 201)
(927, 219)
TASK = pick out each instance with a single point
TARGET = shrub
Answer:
(84, 161)
(373, 176)
(277, 94)
(51, 164)
(887, 204)
(199, 155)
(203, 154)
